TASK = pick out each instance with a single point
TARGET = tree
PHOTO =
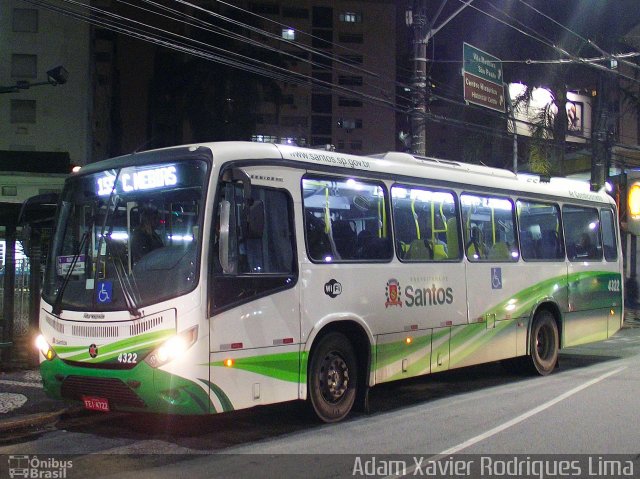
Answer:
(546, 153)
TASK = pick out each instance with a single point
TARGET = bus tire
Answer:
(544, 343)
(333, 378)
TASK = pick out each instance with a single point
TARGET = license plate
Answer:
(96, 404)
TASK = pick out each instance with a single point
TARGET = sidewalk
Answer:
(23, 402)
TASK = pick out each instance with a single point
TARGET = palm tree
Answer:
(546, 154)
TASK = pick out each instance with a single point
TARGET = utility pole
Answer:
(417, 20)
(603, 132)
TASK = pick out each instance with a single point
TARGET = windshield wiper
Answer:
(57, 303)
(129, 289)
(120, 270)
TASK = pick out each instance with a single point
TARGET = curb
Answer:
(37, 419)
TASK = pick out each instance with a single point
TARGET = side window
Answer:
(488, 226)
(608, 235)
(346, 219)
(425, 224)
(253, 246)
(582, 233)
(540, 231)
(269, 250)
(272, 252)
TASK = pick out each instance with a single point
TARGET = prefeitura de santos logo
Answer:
(393, 294)
(418, 296)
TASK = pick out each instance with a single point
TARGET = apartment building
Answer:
(334, 76)
(349, 50)
(44, 118)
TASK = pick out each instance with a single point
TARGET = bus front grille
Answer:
(116, 391)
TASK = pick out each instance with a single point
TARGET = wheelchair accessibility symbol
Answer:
(496, 278)
(104, 293)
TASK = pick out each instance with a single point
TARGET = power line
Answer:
(193, 47)
(574, 58)
(277, 38)
(586, 41)
(216, 30)
(245, 63)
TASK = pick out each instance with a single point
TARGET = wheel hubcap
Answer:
(543, 343)
(334, 377)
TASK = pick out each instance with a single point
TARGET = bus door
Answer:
(255, 325)
(492, 280)
(591, 278)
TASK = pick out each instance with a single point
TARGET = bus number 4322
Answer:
(128, 358)
(614, 285)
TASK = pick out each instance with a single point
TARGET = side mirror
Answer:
(255, 219)
(228, 265)
(237, 175)
(36, 212)
(39, 209)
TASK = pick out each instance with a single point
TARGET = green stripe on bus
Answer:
(220, 394)
(282, 366)
(141, 344)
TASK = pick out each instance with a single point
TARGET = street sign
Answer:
(483, 93)
(481, 64)
(483, 82)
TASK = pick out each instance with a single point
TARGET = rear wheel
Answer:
(544, 343)
(333, 378)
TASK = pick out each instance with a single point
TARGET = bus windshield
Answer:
(126, 237)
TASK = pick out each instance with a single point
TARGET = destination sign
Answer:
(136, 179)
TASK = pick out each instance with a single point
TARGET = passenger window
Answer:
(346, 219)
(582, 233)
(253, 246)
(271, 251)
(425, 224)
(540, 232)
(488, 225)
(609, 235)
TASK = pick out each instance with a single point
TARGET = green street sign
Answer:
(483, 84)
(481, 64)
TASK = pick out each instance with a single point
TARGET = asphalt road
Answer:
(588, 406)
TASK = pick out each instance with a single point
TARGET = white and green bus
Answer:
(280, 273)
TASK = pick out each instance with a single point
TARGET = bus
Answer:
(285, 273)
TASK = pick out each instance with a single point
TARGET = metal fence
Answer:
(21, 299)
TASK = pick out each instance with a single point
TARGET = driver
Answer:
(144, 238)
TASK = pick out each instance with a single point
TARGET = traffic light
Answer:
(633, 208)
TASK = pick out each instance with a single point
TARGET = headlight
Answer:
(172, 348)
(44, 348)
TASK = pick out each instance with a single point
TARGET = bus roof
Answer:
(395, 163)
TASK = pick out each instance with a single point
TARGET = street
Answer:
(587, 406)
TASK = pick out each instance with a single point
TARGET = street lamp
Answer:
(55, 76)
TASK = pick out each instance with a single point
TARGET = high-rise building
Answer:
(330, 76)
(44, 118)
(349, 50)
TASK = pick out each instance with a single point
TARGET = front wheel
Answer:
(544, 343)
(333, 378)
